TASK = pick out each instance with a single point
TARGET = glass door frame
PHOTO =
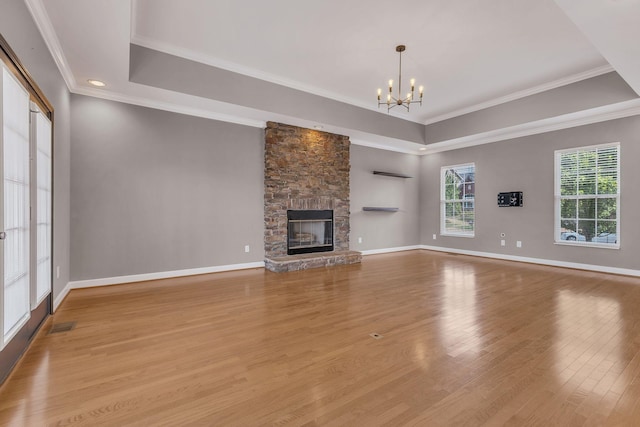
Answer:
(14, 349)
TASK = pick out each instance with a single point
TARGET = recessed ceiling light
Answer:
(422, 148)
(96, 83)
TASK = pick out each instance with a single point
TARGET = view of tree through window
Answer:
(458, 199)
(587, 195)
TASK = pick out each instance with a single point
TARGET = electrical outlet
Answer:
(246, 248)
(434, 237)
(359, 239)
(503, 243)
(518, 244)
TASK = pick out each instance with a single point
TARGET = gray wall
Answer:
(20, 31)
(380, 230)
(155, 191)
(527, 164)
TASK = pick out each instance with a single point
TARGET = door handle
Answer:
(3, 235)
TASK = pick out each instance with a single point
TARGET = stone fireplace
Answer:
(306, 173)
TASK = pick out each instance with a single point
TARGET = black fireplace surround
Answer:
(309, 231)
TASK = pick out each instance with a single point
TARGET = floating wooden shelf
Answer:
(395, 175)
(379, 209)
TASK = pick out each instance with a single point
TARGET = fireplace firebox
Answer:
(309, 231)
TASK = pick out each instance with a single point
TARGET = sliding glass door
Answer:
(40, 206)
(14, 137)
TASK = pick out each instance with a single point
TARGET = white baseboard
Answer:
(541, 261)
(389, 250)
(79, 284)
(61, 296)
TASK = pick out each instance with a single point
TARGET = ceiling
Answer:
(468, 54)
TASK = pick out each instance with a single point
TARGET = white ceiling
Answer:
(467, 53)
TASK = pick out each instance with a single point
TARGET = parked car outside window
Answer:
(572, 236)
(605, 238)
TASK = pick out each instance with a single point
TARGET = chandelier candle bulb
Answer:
(413, 84)
(379, 93)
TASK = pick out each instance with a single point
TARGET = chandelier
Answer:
(406, 101)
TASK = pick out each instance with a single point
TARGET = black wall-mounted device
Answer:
(510, 198)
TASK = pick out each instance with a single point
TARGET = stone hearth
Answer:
(315, 260)
(305, 169)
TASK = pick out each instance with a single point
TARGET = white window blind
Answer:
(41, 132)
(457, 200)
(15, 148)
(587, 196)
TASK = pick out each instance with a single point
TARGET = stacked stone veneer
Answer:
(304, 169)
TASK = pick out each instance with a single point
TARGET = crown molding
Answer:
(254, 73)
(41, 18)
(386, 147)
(167, 106)
(565, 121)
(595, 115)
(574, 78)
(42, 21)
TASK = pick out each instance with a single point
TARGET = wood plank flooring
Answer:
(466, 342)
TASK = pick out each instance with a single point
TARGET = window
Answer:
(587, 196)
(457, 200)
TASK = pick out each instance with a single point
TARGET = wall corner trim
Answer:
(106, 281)
(42, 21)
(540, 261)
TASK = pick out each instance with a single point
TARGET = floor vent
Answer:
(62, 327)
(375, 336)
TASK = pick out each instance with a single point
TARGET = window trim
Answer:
(557, 196)
(443, 232)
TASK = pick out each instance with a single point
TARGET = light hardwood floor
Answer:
(466, 341)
